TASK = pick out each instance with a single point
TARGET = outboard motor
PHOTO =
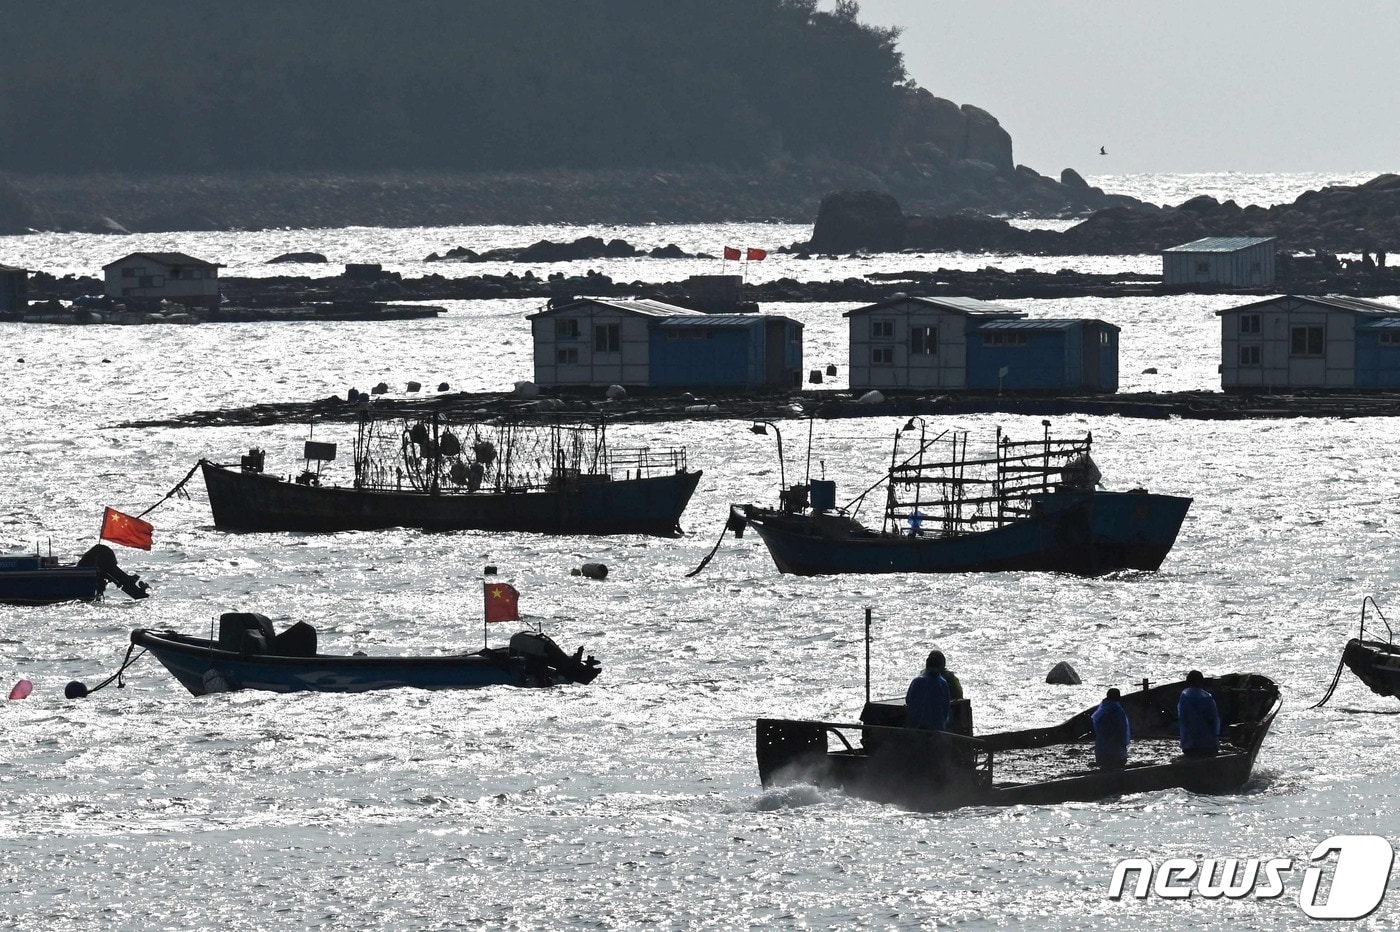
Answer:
(102, 557)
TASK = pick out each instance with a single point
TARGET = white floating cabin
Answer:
(1236, 261)
(144, 279)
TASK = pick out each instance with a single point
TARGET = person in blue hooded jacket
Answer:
(1199, 717)
(1112, 733)
(928, 699)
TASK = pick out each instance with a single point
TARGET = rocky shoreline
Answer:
(638, 407)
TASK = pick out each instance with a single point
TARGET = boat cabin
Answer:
(1307, 341)
(1237, 261)
(145, 279)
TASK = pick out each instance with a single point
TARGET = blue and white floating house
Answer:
(641, 342)
(1309, 342)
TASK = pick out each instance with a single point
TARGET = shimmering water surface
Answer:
(635, 801)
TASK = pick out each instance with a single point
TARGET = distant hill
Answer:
(213, 85)
(443, 111)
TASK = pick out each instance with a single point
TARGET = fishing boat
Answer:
(423, 473)
(880, 760)
(34, 579)
(1375, 662)
(1025, 505)
(248, 654)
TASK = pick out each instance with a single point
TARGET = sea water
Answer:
(635, 801)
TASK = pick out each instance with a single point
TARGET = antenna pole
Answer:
(867, 654)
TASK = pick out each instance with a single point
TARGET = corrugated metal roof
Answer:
(10, 268)
(720, 320)
(1048, 323)
(166, 258)
(1220, 244)
(642, 306)
(1380, 323)
(1334, 301)
(973, 307)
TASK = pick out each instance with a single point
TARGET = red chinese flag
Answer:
(502, 602)
(755, 255)
(730, 252)
(125, 530)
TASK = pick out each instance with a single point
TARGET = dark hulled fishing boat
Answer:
(1375, 662)
(880, 760)
(1029, 505)
(248, 654)
(32, 579)
(549, 479)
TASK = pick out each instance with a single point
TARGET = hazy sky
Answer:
(1185, 86)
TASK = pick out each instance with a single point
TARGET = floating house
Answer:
(602, 341)
(915, 342)
(145, 279)
(1236, 261)
(1305, 341)
(14, 290)
(1068, 355)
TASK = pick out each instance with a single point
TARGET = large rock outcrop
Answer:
(1361, 219)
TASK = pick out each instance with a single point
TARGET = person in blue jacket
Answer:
(927, 701)
(1112, 734)
(1200, 719)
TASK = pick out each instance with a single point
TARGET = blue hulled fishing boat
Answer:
(33, 579)
(248, 654)
(1028, 505)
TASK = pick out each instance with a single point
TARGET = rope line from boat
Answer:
(178, 489)
(78, 690)
(1360, 636)
(735, 522)
(1336, 678)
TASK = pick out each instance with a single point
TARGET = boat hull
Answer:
(202, 668)
(250, 501)
(1375, 663)
(931, 770)
(1087, 533)
(51, 585)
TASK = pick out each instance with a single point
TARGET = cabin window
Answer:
(882, 329)
(1003, 339)
(882, 356)
(1249, 323)
(566, 329)
(1389, 338)
(567, 357)
(607, 338)
(1249, 355)
(1202, 268)
(1307, 341)
(175, 273)
(923, 341)
(1103, 338)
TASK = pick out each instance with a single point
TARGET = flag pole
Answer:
(867, 654)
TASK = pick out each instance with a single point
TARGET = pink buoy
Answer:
(22, 690)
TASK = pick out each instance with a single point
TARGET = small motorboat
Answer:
(881, 760)
(1375, 662)
(33, 579)
(249, 654)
